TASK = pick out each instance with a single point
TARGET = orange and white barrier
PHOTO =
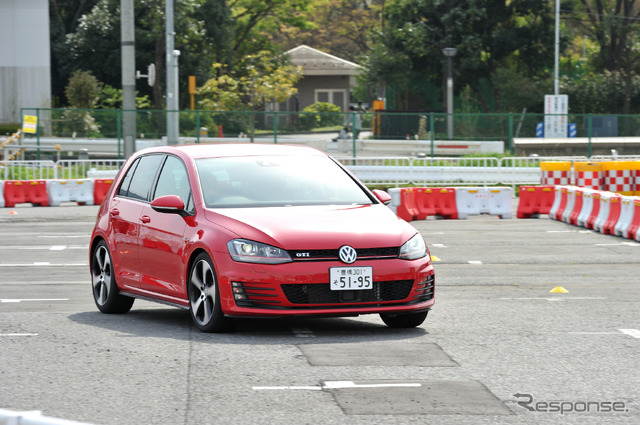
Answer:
(484, 200)
(626, 216)
(588, 175)
(603, 211)
(633, 231)
(555, 173)
(559, 203)
(571, 201)
(578, 200)
(619, 177)
(587, 207)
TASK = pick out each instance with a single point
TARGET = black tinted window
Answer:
(126, 181)
(143, 177)
(173, 180)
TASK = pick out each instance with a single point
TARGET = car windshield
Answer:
(258, 181)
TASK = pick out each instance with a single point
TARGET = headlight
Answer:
(254, 252)
(413, 249)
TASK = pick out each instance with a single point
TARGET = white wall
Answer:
(25, 60)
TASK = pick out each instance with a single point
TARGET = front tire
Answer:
(410, 320)
(103, 280)
(204, 297)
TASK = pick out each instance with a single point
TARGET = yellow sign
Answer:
(30, 124)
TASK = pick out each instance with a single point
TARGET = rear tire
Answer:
(410, 320)
(204, 297)
(103, 280)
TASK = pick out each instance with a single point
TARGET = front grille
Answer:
(396, 290)
(332, 254)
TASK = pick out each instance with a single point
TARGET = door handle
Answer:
(145, 219)
(114, 212)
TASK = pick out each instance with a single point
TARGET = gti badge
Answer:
(347, 254)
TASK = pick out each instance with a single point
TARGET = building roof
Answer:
(315, 62)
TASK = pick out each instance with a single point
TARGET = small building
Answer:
(25, 71)
(325, 78)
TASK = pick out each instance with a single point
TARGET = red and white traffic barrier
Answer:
(53, 192)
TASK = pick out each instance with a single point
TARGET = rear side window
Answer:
(144, 172)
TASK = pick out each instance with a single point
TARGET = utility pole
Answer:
(173, 107)
(127, 34)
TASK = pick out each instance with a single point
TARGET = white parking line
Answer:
(19, 300)
(43, 263)
(474, 262)
(16, 334)
(631, 332)
(336, 385)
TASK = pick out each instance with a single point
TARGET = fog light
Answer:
(238, 291)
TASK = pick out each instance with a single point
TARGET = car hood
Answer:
(316, 227)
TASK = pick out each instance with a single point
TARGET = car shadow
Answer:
(176, 324)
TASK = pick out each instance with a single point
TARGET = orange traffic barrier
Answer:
(555, 173)
(14, 193)
(407, 210)
(633, 231)
(614, 214)
(595, 211)
(619, 177)
(534, 200)
(36, 192)
(445, 203)
(100, 190)
(426, 202)
(588, 174)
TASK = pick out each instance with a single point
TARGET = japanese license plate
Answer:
(351, 278)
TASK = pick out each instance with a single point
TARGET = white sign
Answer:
(556, 108)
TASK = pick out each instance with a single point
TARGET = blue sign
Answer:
(573, 130)
(540, 129)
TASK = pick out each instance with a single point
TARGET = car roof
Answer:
(234, 150)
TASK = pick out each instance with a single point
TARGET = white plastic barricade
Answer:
(603, 214)
(484, 200)
(587, 206)
(82, 191)
(627, 208)
(396, 199)
(571, 202)
(1, 193)
(557, 197)
(58, 191)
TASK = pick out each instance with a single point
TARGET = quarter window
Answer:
(143, 177)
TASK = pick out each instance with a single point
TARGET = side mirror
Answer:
(170, 204)
(382, 196)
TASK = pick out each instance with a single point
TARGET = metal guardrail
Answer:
(64, 169)
(388, 171)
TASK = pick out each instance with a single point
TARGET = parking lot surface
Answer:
(536, 321)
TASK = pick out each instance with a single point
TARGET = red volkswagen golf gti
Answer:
(233, 231)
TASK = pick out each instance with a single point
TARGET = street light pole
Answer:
(449, 52)
(173, 130)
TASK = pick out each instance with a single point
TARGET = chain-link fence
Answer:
(99, 131)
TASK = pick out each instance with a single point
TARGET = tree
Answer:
(614, 26)
(257, 79)
(202, 34)
(488, 34)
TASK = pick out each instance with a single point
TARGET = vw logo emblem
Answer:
(347, 254)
